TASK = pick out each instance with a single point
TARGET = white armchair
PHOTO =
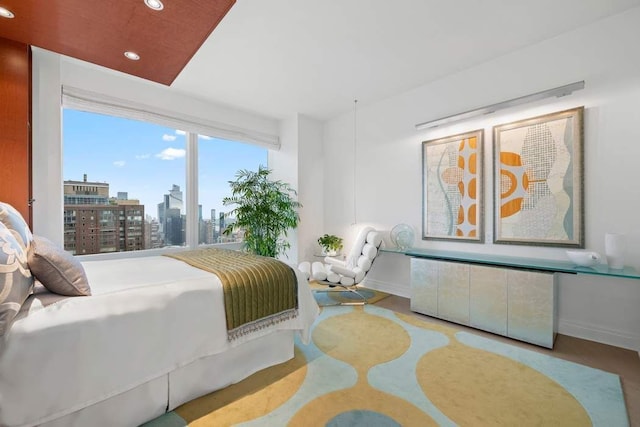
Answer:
(347, 273)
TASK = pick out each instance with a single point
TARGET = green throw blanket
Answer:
(258, 291)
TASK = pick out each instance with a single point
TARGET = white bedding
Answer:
(147, 317)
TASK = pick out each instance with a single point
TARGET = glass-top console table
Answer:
(511, 296)
(519, 262)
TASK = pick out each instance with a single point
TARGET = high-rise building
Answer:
(161, 216)
(221, 226)
(152, 237)
(213, 225)
(171, 219)
(94, 225)
(174, 230)
(174, 198)
(85, 192)
(209, 236)
(202, 227)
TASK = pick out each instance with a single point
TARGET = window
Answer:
(218, 162)
(125, 183)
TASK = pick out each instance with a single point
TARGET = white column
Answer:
(191, 196)
(46, 134)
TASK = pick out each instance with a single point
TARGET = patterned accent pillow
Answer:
(58, 270)
(12, 219)
(16, 282)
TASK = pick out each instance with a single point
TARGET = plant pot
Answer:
(326, 252)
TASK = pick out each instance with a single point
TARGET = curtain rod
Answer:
(557, 91)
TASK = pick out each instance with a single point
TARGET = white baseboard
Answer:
(390, 288)
(598, 334)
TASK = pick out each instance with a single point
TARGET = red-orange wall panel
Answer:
(15, 140)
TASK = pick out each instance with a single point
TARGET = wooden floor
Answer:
(625, 363)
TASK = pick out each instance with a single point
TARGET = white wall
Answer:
(46, 146)
(299, 163)
(389, 168)
(284, 166)
(310, 187)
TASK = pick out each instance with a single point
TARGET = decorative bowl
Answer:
(402, 235)
(584, 258)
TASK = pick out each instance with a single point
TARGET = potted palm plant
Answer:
(331, 245)
(264, 209)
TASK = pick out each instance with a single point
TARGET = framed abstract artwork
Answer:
(452, 188)
(538, 180)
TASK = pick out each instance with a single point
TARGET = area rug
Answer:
(368, 366)
(326, 295)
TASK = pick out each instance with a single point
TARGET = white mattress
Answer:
(146, 317)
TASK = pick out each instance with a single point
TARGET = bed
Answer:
(151, 337)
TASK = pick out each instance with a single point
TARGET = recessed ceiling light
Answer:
(6, 13)
(132, 55)
(154, 4)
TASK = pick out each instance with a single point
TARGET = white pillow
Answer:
(12, 219)
(16, 282)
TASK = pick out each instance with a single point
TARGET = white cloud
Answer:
(171, 153)
(119, 163)
(182, 132)
(143, 156)
(166, 137)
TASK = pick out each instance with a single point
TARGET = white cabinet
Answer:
(453, 292)
(513, 302)
(424, 286)
(488, 299)
(531, 315)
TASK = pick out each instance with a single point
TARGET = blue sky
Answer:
(145, 159)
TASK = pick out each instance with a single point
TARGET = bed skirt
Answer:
(152, 399)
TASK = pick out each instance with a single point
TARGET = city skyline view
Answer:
(145, 160)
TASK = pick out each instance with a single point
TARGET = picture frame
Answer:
(453, 188)
(538, 180)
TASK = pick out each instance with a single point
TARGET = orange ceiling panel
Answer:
(100, 31)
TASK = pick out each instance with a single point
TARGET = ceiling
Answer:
(280, 57)
(100, 31)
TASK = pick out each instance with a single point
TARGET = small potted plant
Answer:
(331, 245)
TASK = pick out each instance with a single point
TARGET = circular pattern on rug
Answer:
(369, 374)
(332, 295)
(362, 397)
(255, 396)
(492, 389)
(360, 339)
(359, 418)
(350, 296)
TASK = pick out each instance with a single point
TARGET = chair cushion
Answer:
(369, 251)
(318, 271)
(16, 282)
(374, 238)
(358, 244)
(364, 263)
(343, 271)
(58, 270)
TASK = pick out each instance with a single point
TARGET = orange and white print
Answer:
(537, 189)
(452, 186)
